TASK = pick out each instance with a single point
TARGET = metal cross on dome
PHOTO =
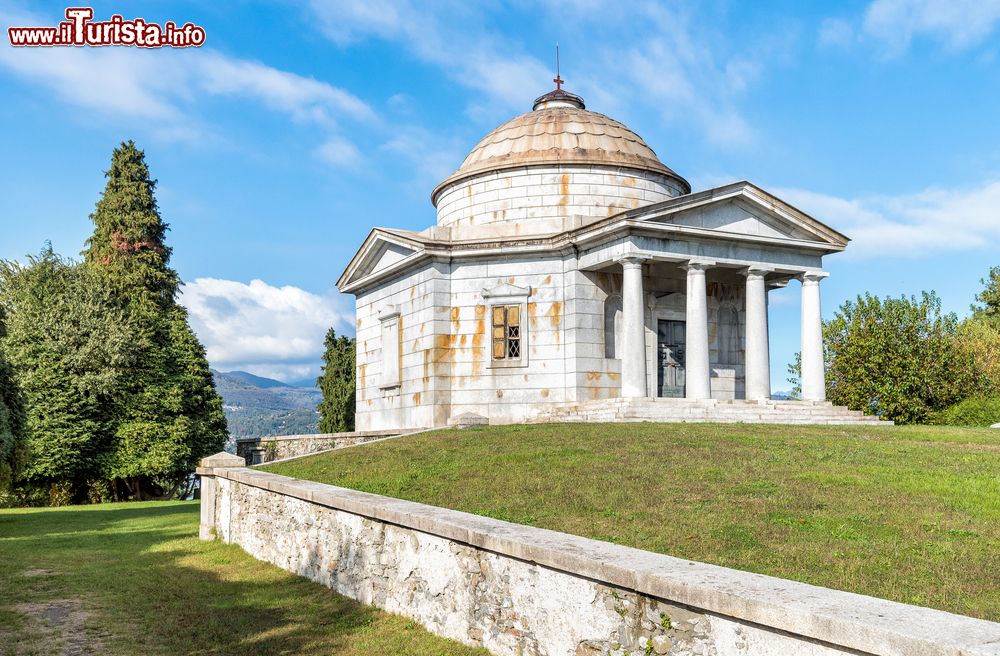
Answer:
(558, 79)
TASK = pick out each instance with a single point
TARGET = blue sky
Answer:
(299, 126)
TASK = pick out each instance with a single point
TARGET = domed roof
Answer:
(559, 130)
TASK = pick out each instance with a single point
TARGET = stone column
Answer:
(813, 375)
(758, 366)
(697, 373)
(634, 329)
(206, 472)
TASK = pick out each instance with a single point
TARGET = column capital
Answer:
(756, 272)
(812, 277)
(698, 265)
(632, 259)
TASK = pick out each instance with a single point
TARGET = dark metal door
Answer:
(670, 341)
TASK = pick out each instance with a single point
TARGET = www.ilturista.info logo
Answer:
(80, 30)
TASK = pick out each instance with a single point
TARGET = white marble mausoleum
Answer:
(572, 273)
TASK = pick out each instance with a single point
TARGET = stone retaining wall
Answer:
(526, 591)
(258, 450)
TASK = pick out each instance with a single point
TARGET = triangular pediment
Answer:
(382, 252)
(742, 210)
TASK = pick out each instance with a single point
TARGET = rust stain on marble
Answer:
(477, 342)
(555, 314)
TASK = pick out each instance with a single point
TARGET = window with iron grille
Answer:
(507, 332)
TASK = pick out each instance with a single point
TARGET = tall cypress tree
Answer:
(170, 414)
(337, 381)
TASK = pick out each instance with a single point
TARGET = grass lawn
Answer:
(135, 579)
(904, 513)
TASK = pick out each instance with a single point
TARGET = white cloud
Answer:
(836, 33)
(432, 157)
(931, 221)
(340, 152)
(450, 35)
(638, 54)
(894, 24)
(272, 331)
(163, 87)
(957, 24)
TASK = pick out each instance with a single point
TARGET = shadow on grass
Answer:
(152, 587)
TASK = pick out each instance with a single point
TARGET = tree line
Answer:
(906, 360)
(105, 391)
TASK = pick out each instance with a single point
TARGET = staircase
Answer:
(721, 411)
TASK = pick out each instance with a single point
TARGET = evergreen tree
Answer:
(70, 349)
(337, 381)
(128, 245)
(169, 416)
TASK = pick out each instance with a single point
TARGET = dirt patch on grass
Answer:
(33, 572)
(58, 626)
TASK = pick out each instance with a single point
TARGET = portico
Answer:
(697, 363)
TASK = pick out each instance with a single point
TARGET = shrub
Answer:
(977, 411)
(896, 358)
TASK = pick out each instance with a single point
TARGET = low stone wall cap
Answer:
(222, 459)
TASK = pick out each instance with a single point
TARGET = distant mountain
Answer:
(304, 382)
(257, 381)
(260, 407)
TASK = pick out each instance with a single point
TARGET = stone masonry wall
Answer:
(257, 450)
(547, 199)
(524, 591)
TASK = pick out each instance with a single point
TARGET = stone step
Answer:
(723, 411)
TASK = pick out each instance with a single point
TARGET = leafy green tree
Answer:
(990, 296)
(337, 381)
(169, 414)
(11, 422)
(897, 358)
(978, 342)
(70, 349)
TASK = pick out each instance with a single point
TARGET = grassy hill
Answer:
(134, 579)
(259, 407)
(907, 513)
